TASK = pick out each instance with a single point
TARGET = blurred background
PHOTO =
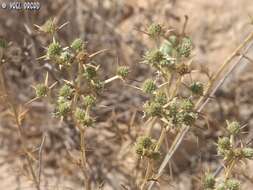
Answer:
(217, 27)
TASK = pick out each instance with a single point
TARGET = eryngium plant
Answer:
(78, 88)
(232, 154)
(174, 109)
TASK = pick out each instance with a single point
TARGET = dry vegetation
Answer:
(111, 94)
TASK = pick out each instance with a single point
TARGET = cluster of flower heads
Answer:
(209, 183)
(77, 93)
(170, 55)
(231, 153)
(145, 147)
(170, 60)
(228, 149)
(176, 112)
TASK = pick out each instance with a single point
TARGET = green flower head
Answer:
(41, 90)
(149, 86)
(54, 50)
(77, 45)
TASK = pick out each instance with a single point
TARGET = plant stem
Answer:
(84, 161)
(147, 175)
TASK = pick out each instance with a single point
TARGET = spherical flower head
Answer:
(197, 88)
(160, 97)
(232, 184)
(41, 90)
(54, 50)
(173, 107)
(185, 47)
(145, 142)
(188, 118)
(97, 85)
(155, 30)
(224, 143)
(90, 73)
(233, 128)
(49, 27)
(66, 57)
(63, 107)
(79, 114)
(153, 109)
(208, 181)
(187, 105)
(77, 45)
(123, 71)
(247, 153)
(149, 86)
(89, 100)
(153, 57)
(83, 118)
(66, 91)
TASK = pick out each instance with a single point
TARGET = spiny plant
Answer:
(78, 89)
(232, 153)
(168, 103)
(172, 62)
(77, 92)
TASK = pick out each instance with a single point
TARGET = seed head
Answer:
(247, 153)
(155, 30)
(89, 100)
(49, 27)
(188, 118)
(187, 105)
(83, 118)
(153, 109)
(153, 57)
(233, 128)
(54, 50)
(63, 107)
(66, 91)
(145, 142)
(78, 45)
(160, 97)
(123, 71)
(97, 85)
(41, 90)
(208, 181)
(90, 73)
(149, 86)
(197, 88)
(65, 57)
(224, 143)
(232, 184)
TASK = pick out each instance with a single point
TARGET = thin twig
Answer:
(40, 158)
